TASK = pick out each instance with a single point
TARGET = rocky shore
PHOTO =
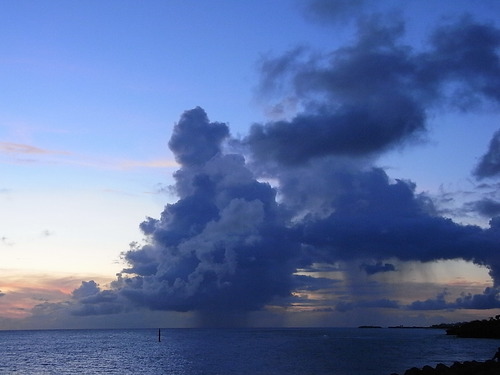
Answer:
(458, 368)
(486, 328)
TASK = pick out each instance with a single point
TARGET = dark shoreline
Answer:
(458, 368)
(486, 328)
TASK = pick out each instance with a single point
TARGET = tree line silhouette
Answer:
(486, 328)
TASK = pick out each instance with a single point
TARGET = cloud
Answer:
(94, 301)
(19, 299)
(46, 233)
(438, 303)
(228, 236)
(485, 207)
(349, 108)
(195, 140)
(374, 218)
(372, 269)
(466, 53)
(223, 239)
(18, 148)
(233, 243)
(375, 94)
(334, 11)
(309, 283)
(489, 165)
(150, 164)
(5, 241)
(489, 299)
(22, 151)
(381, 303)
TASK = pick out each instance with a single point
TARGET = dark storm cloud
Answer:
(340, 132)
(329, 11)
(485, 207)
(357, 101)
(233, 243)
(91, 300)
(438, 303)
(466, 52)
(223, 245)
(228, 246)
(375, 94)
(195, 140)
(380, 303)
(310, 283)
(489, 299)
(489, 165)
(374, 218)
(372, 269)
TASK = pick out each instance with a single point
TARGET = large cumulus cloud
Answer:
(233, 243)
(223, 245)
(229, 245)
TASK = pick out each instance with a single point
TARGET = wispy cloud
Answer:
(162, 163)
(19, 148)
(29, 154)
(5, 241)
(46, 233)
(23, 153)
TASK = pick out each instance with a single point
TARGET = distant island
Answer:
(369, 327)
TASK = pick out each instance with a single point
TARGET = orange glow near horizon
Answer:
(23, 291)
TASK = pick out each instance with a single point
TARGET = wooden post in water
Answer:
(159, 334)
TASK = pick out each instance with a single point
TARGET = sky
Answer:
(265, 163)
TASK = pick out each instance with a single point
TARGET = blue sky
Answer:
(93, 91)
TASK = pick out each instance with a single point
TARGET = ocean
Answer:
(300, 351)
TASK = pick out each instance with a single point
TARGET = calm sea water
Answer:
(332, 351)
